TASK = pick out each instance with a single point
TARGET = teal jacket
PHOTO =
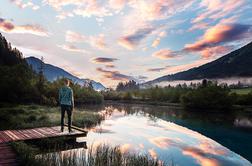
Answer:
(66, 96)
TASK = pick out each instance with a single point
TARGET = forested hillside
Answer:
(20, 84)
(235, 64)
(16, 81)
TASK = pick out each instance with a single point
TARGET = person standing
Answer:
(66, 101)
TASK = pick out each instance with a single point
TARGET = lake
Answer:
(174, 135)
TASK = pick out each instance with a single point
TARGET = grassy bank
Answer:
(30, 116)
(242, 91)
(100, 156)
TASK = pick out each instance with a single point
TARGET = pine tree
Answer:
(41, 79)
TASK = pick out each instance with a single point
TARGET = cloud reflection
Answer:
(152, 153)
(200, 157)
(136, 132)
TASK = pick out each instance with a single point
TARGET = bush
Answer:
(210, 97)
(127, 96)
(245, 99)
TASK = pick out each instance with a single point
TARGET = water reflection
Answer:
(142, 129)
(243, 122)
(231, 129)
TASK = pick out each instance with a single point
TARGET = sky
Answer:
(119, 40)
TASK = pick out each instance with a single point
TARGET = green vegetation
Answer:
(241, 91)
(20, 84)
(209, 97)
(30, 116)
(130, 85)
(166, 94)
(245, 99)
(102, 155)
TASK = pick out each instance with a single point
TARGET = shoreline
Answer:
(143, 102)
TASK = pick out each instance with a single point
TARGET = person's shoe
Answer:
(62, 130)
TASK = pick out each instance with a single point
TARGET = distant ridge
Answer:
(235, 64)
(53, 73)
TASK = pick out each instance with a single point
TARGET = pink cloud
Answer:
(74, 37)
(117, 76)
(63, 14)
(156, 42)
(58, 4)
(198, 26)
(162, 34)
(218, 35)
(216, 9)
(103, 60)
(159, 69)
(23, 5)
(8, 27)
(215, 51)
(131, 41)
(73, 48)
(165, 54)
(92, 8)
(114, 75)
(124, 42)
(110, 66)
(84, 8)
(117, 4)
(98, 41)
(94, 41)
(160, 9)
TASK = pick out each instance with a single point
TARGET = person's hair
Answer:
(67, 81)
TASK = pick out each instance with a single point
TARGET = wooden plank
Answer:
(32, 134)
(5, 137)
(11, 135)
(19, 134)
(37, 133)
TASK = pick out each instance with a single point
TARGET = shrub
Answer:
(245, 99)
(210, 97)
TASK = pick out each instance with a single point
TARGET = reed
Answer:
(102, 155)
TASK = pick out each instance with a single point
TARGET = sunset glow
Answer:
(120, 40)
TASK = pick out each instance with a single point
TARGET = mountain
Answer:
(53, 73)
(235, 64)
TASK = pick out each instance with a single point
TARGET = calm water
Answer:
(171, 134)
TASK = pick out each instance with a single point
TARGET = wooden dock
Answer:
(8, 156)
(37, 133)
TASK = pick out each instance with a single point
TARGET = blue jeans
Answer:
(68, 109)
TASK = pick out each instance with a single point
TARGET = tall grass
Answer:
(102, 155)
(30, 116)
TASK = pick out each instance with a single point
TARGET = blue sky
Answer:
(119, 40)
